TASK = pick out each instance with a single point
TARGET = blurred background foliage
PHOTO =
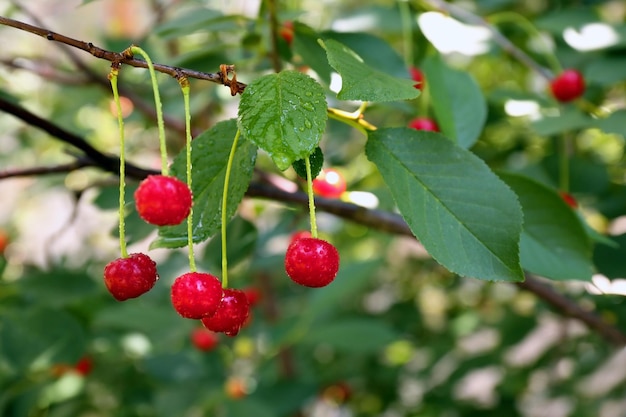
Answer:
(395, 334)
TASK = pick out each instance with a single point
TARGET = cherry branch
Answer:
(375, 219)
(105, 162)
(127, 58)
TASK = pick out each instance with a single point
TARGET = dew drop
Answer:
(308, 106)
(307, 123)
(308, 94)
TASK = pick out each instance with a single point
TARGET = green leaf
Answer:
(570, 119)
(554, 243)
(351, 279)
(363, 82)
(464, 215)
(209, 154)
(40, 338)
(316, 159)
(364, 336)
(610, 260)
(459, 105)
(615, 123)
(284, 114)
(242, 237)
(51, 287)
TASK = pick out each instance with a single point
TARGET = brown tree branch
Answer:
(124, 57)
(106, 162)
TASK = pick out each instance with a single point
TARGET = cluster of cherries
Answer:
(568, 86)
(165, 200)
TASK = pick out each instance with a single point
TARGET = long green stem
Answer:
(229, 166)
(159, 108)
(120, 121)
(564, 164)
(309, 191)
(407, 32)
(184, 85)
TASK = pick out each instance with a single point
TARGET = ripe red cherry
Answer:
(286, 32)
(569, 199)
(130, 277)
(299, 235)
(204, 339)
(163, 200)
(329, 183)
(424, 123)
(84, 365)
(417, 75)
(312, 262)
(231, 313)
(253, 295)
(4, 241)
(196, 295)
(568, 86)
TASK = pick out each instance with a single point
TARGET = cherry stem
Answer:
(407, 30)
(159, 107)
(120, 121)
(229, 166)
(309, 191)
(184, 85)
(564, 163)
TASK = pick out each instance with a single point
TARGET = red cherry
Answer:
(286, 32)
(299, 235)
(417, 75)
(196, 295)
(130, 277)
(329, 183)
(568, 86)
(339, 392)
(163, 200)
(569, 199)
(204, 339)
(312, 262)
(231, 313)
(424, 123)
(253, 295)
(4, 241)
(84, 365)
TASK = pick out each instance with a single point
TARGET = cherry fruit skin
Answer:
(568, 86)
(286, 32)
(299, 235)
(130, 277)
(204, 339)
(417, 75)
(569, 199)
(330, 184)
(312, 262)
(253, 294)
(424, 123)
(196, 295)
(231, 314)
(163, 200)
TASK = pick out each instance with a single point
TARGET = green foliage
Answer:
(316, 160)
(458, 103)
(554, 243)
(362, 82)
(404, 330)
(284, 114)
(465, 217)
(209, 155)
